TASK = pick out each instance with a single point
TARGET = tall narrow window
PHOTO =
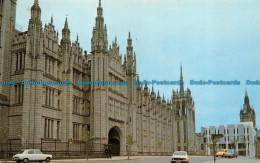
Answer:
(21, 60)
(45, 128)
(178, 132)
(48, 129)
(58, 129)
(17, 60)
(184, 131)
(46, 97)
(15, 96)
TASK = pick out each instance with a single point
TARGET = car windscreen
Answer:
(20, 152)
(222, 150)
(179, 154)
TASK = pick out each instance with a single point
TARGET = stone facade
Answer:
(59, 112)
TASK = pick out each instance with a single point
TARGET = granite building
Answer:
(34, 113)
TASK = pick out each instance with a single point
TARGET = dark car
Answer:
(231, 154)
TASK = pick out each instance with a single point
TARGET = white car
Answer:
(180, 157)
(31, 155)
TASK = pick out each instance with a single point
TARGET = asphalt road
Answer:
(160, 159)
(145, 159)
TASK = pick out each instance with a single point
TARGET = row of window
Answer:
(19, 60)
(51, 126)
(241, 139)
(51, 45)
(18, 97)
(50, 96)
(79, 130)
(50, 67)
(227, 131)
(81, 106)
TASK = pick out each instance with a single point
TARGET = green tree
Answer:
(129, 142)
(88, 139)
(234, 143)
(243, 141)
(4, 136)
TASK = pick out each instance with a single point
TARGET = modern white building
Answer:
(244, 132)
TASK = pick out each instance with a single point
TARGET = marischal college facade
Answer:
(36, 113)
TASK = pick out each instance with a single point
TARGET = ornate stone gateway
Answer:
(114, 140)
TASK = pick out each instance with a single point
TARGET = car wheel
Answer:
(48, 159)
(25, 160)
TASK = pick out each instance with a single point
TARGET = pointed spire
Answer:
(181, 77)
(129, 45)
(152, 89)
(77, 39)
(124, 60)
(66, 26)
(36, 11)
(181, 80)
(66, 32)
(99, 10)
(246, 100)
(51, 20)
(36, 3)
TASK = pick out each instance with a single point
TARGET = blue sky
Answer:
(213, 39)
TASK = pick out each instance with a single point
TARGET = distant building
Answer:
(247, 113)
(257, 153)
(244, 132)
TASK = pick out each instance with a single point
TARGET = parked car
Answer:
(31, 155)
(221, 153)
(231, 154)
(180, 157)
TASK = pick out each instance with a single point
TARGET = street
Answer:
(159, 159)
(165, 159)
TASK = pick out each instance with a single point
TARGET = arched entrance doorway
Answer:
(114, 140)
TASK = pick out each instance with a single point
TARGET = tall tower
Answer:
(183, 107)
(33, 70)
(7, 30)
(131, 89)
(67, 74)
(247, 113)
(99, 72)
